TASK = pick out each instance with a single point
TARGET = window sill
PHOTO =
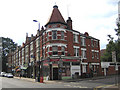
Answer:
(83, 45)
(76, 42)
(54, 55)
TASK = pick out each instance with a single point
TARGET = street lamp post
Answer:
(40, 77)
(38, 24)
(38, 51)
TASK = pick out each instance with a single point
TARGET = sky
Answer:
(97, 17)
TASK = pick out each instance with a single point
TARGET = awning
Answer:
(16, 67)
(71, 60)
(23, 68)
(18, 70)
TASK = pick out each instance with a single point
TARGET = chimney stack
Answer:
(26, 35)
(69, 23)
(38, 32)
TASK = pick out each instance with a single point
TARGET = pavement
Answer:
(33, 80)
(73, 80)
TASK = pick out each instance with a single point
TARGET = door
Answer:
(55, 73)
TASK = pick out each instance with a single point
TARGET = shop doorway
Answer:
(55, 73)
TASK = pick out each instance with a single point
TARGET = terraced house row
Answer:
(57, 51)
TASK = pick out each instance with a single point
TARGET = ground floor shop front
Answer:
(57, 69)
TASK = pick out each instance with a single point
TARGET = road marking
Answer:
(79, 86)
(103, 86)
(76, 86)
(67, 85)
(74, 83)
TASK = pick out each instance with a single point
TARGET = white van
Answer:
(2, 74)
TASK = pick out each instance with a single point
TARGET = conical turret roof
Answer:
(56, 16)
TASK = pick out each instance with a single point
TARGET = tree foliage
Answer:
(7, 45)
(112, 46)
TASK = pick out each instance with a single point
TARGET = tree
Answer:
(108, 54)
(112, 46)
(118, 42)
(7, 45)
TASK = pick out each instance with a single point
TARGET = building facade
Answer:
(0, 54)
(57, 51)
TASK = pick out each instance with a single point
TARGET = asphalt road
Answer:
(17, 83)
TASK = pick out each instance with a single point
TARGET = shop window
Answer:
(75, 63)
(66, 63)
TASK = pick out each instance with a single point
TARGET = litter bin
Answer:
(41, 79)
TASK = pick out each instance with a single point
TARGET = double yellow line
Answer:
(103, 86)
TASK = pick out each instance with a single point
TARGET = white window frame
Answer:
(55, 50)
(83, 53)
(83, 42)
(63, 50)
(62, 35)
(53, 35)
(76, 52)
(75, 38)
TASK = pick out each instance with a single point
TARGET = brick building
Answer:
(57, 51)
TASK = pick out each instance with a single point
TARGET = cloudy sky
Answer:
(97, 17)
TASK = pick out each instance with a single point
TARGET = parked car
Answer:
(2, 74)
(5, 75)
(9, 75)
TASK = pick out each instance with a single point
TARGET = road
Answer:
(17, 83)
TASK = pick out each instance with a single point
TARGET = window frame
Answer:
(54, 34)
(55, 51)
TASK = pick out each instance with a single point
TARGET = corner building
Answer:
(69, 52)
(59, 51)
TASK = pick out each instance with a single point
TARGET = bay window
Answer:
(63, 50)
(54, 34)
(62, 34)
(55, 50)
